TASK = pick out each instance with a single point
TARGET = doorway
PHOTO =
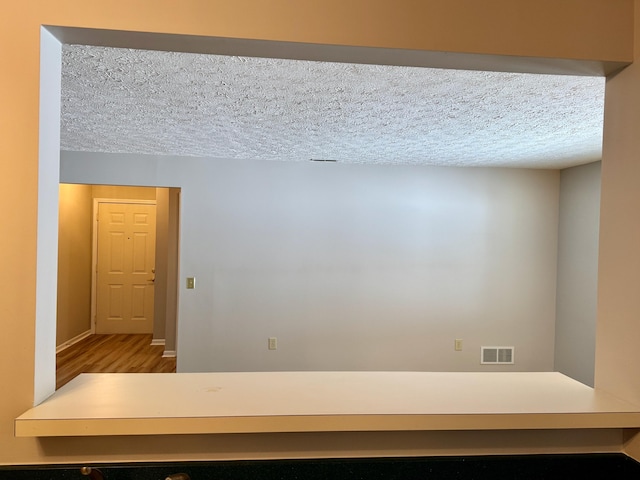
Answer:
(79, 301)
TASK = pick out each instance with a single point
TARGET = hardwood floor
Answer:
(120, 353)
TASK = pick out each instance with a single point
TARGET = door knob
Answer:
(92, 473)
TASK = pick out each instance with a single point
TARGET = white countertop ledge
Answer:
(259, 402)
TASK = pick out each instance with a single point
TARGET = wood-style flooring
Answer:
(120, 353)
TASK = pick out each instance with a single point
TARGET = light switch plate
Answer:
(191, 283)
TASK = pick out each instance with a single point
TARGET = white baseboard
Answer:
(72, 341)
(157, 341)
(169, 354)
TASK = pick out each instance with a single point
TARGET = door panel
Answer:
(125, 268)
(116, 252)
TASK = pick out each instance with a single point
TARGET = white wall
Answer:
(47, 207)
(354, 267)
(578, 272)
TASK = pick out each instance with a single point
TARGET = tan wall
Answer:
(578, 29)
(126, 193)
(173, 244)
(162, 259)
(618, 327)
(74, 262)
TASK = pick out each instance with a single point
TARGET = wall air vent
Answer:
(322, 160)
(497, 355)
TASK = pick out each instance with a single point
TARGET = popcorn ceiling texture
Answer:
(166, 103)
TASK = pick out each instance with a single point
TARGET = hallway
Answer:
(118, 353)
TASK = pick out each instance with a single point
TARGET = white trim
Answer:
(157, 341)
(169, 354)
(73, 341)
(94, 247)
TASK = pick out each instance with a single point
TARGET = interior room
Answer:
(523, 285)
(85, 246)
(471, 223)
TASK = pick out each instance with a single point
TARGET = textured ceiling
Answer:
(166, 103)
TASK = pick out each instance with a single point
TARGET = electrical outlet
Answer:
(457, 344)
(273, 343)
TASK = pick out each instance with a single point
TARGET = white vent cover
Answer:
(497, 355)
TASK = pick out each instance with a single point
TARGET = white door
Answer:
(125, 268)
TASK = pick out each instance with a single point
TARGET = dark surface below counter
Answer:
(520, 467)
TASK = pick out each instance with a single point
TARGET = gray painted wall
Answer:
(578, 271)
(354, 267)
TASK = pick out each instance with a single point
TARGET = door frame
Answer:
(94, 249)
